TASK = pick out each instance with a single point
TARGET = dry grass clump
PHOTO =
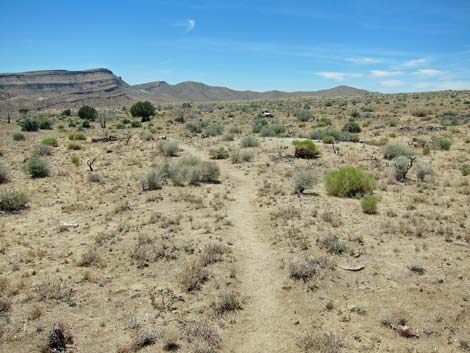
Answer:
(203, 336)
(306, 268)
(193, 276)
(4, 173)
(13, 201)
(393, 150)
(304, 178)
(319, 343)
(212, 253)
(169, 148)
(333, 244)
(237, 156)
(227, 302)
(53, 290)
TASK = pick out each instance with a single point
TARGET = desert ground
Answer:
(232, 244)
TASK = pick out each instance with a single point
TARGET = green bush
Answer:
(45, 123)
(337, 134)
(349, 182)
(237, 156)
(169, 148)
(75, 160)
(444, 144)
(219, 153)
(352, 127)
(13, 201)
(272, 130)
(304, 115)
(66, 112)
(75, 136)
(214, 130)
(197, 127)
(305, 149)
(73, 146)
(50, 141)
(258, 124)
(4, 173)
(37, 168)
(249, 141)
(143, 110)
(393, 150)
(18, 136)
(325, 122)
(328, 139)
(235, 130)
(369, 204)
(146, 135)
(86, 124)
(29, 124)
(88, 113)
(136, 124)
(465, 170)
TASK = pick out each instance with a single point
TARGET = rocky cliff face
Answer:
(60, 88)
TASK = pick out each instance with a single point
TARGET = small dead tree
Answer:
(127, 137)
(90, 163)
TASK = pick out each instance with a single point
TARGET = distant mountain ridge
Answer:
(100, 87)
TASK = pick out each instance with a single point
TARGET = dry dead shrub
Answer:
(193, 276)
(213, 253)
(319, 343)
(227, 302)
(306, 268)
(203, 336)
(53, 290)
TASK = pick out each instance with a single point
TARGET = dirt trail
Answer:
(263, 324)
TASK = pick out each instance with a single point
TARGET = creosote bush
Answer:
(73, 146)
(305, 149)
(74, 136)
(37, 168)
(42, 150)
(29, 124)
(88, 113)
(337, 134)
(369, 204)
(18, 136)
(153, 180)
(219, 153)
(422, 170)
(349, 182)
(13, 201)
(465, 170)
(393, 150)
(237, 156)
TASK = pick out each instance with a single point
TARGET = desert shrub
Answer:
(369, 204)
(304, 115)
(465, 170)
(29, 124)
(400, 167)
(143, 110)
(219, 153)
(227, 302)
(304, 178)
(426, 151)
(306, 268)
(136, 124)
(42, 150)
(13, 201)
(249, 141)
(66, 112)
(4, 173)
(95, 178)
(393, 150)
(444, 144)
(272, 130)
(325, 122)
(229, 137)
(305, 149)
(147, 135)
(258, 124)
(333, 244)
(197, 127)
(37, 168)
(235, 130)
(214, 130)
(349, 182)
(50, 141)
(352, 127)
(75, 136)
(75, 160)
(88, 113)
(86, 124)
(355, 138)
(328, 139)
(73, 146)
(169, 148)
(337, 134)
(153, 180)
(319, 343)
(192, 170)
(420, 113)
(422, 169)
(45, 123)
(237, 156)
(18, 136)
(193, 276)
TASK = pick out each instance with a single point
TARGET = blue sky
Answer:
(387, 46)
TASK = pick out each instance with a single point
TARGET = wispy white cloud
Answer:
(442, 85)
(416, 62)
(391, 83)
(429, 72)
(364, 60)
(337, 76)
(383, 73)
(188, 24)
